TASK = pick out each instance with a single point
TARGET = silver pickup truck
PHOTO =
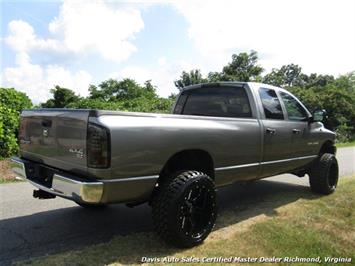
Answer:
(218, 134)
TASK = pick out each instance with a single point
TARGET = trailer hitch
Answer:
(41, 194)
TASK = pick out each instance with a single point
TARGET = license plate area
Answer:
(40, 174)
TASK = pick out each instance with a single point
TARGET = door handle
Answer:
(296, 131)
(271, 131)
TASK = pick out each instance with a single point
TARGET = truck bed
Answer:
(140, 143)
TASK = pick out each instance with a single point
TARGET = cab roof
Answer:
(228, 83)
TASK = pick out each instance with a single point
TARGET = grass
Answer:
(6, 175)
(6, 180)
(311, 226)
(345, 144)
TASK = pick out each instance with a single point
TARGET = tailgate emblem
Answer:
(45, 132)
(78, 152)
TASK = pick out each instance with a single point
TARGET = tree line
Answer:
(334, 94)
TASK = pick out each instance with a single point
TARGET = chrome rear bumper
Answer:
(63, 186)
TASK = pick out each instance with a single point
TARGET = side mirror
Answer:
(319, 115)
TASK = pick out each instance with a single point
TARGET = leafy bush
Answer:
(344, 133)
(124, 95)
(61, 97)
(11, 104)
(141, 104)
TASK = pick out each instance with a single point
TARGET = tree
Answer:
(286, 76)
(337, 97)
(315, 80)
(172, 96)
(61, 98)
(189, 78)
(291, 76)
(215, 77)
(243, 67)
(124, 95)
(275, 77)
(113, 90)
(346, 81)
(12, 102)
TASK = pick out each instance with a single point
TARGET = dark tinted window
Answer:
(180, 104)
(217, 101)
(271, 104)
(295, 111)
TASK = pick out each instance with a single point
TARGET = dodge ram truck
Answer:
(218, 134)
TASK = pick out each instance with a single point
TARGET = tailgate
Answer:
(55, 137)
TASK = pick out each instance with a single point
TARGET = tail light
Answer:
(98, 149)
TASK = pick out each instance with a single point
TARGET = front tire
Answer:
(323, 177)
(184, 209)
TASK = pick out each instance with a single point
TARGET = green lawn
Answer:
(345, 144)
(310, 226)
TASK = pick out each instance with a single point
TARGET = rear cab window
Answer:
(215, 101)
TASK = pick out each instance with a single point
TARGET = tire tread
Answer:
(165, 198)
(319, 174)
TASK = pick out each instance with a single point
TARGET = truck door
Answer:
(297, 121)
(277, 150)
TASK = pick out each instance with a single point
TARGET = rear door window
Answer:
(271, 104)
(217, 101)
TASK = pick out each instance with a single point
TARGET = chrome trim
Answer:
(236, 166)
(72, 189)
(289, 160)
(136, 178)
(18, 167)
(86, 191)
(263, 163)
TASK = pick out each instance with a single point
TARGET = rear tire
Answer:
(184, 208)
(323, 176)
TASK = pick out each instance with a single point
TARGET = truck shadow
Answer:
(73, 228)
(243, 201)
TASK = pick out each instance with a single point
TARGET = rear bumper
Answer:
(66, 187)
(79, 190)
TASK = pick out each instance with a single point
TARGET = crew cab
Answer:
(218, 134)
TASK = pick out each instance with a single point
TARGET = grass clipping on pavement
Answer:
(310, 226)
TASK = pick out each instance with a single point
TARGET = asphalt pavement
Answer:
(30, 227)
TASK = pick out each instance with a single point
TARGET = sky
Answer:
(76, 43)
